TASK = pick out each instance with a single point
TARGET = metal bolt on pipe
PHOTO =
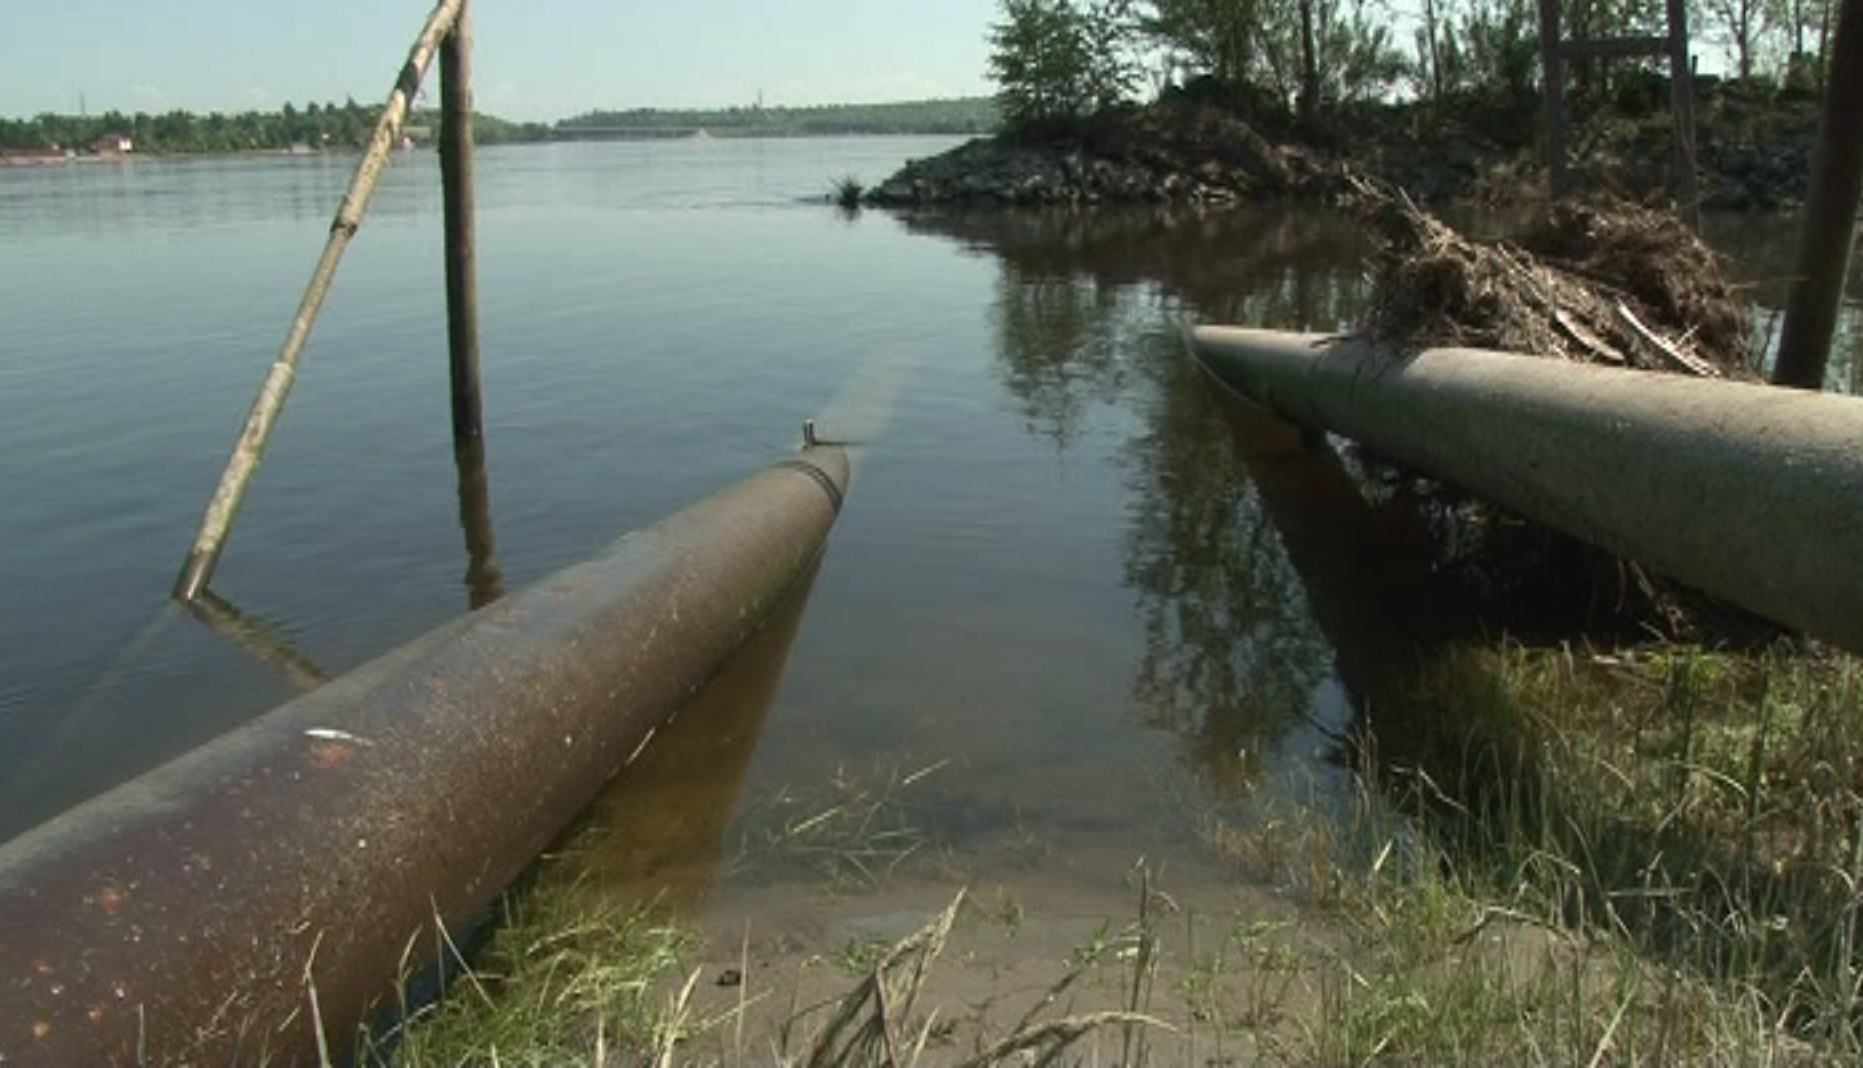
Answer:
(1751, 493)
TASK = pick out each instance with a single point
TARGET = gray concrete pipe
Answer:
(215, 910)
(1751, 493)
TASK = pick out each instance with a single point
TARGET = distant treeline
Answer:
(314, 126)
(347, 126)
(959, 116)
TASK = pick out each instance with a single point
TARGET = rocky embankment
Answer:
(1751, 156)
(1156, 156)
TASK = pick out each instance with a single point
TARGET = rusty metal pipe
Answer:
(227, 906)
(1751, 493)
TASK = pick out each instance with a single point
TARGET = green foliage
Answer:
(1330, 51)
(1217, 38)
(1055, 61)
(565, 974)
(1355, 57)
(1500, 48)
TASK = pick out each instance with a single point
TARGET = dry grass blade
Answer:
(1061, 986)
(865, 1026)
(672, 1025)
(1664, 347)
(1055, 1036)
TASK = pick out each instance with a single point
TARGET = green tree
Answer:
(1056, 61)
(1309, 53)
(1217, 37)
(1500, 48)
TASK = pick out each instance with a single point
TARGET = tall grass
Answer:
(1651, 857)
(565, 979)
(848, 193)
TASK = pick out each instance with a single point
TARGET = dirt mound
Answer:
(1655, 259)
(1605, 282)
(1190, 137)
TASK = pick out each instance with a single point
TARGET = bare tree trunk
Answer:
(1307, 101)
(1431, 54)
(1830, 216)
(1552, 79)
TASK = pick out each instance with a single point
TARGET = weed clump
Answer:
(1636, 857)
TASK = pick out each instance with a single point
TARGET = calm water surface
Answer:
(1069, 576)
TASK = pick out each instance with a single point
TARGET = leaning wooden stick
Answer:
(250, 447)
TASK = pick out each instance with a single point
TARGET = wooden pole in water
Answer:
(484, 582)
(249, 449)
(462, 293)
(1830, 215)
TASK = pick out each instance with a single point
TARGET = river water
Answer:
(1075, 598)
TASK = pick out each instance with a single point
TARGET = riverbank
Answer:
(1626, 857)
(1754, 153)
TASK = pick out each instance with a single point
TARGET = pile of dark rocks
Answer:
(1182, 155)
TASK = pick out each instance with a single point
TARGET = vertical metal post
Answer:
(1830, 215)
(1552, 76)
(1682, 111)
(462, 295)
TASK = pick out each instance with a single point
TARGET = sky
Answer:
(532, 59)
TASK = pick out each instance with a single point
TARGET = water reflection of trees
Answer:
(1062, 342)
(1261, 568)
(1231, 657)
(1088, 310)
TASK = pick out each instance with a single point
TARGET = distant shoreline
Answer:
(34, 161)
(349, 127)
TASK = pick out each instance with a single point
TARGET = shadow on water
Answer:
(657, 834)
(259, 638)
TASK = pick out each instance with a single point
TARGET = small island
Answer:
(1246, 103)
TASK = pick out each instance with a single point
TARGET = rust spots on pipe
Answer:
(210, 910)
